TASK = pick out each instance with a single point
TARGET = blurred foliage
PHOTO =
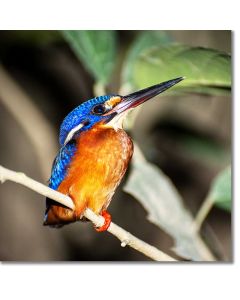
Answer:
(204, 149)
(143, 41)
(96, 49)
(164, 206)
(220, 192)
(31, 37)
(206, 70)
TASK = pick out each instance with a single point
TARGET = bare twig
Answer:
(125, 237)
(6, 174)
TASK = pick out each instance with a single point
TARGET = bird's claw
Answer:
(107, 221)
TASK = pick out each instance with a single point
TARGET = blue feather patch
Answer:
(61, 163)
(81, 114)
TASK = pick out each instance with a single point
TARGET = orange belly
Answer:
(99, 163)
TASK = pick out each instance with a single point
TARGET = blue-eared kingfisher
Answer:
(94, 155)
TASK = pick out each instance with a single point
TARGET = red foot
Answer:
(107, 222)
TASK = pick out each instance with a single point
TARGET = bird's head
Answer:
(107, 110)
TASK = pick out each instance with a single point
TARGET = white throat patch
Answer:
(117, 122)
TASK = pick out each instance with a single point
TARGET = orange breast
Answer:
(100, 161)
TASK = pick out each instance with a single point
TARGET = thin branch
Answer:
(21, 178)
(125, 237)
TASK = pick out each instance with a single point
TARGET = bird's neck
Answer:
(103, 134)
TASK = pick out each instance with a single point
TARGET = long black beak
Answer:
(139, 97)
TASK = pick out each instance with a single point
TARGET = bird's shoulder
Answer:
(61, 163)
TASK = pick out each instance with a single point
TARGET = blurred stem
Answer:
(30, 119)
(216, 244)
(99, 89)
(203, 212)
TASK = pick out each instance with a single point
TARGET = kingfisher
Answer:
(94, 155)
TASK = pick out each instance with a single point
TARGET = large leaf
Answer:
(206, 70)
(165, 208)
(144, 40)
(220, 192)
(96, 49)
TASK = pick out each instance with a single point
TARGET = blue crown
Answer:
(81, 114)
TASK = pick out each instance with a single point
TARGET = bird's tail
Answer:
(49, 218)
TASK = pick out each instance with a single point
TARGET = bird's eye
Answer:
(99, 109)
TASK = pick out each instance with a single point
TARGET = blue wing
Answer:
(59, 170)
(60, 164)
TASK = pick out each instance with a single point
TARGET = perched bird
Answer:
(94, 155)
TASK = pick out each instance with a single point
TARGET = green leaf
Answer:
(220, 191)
(206, 70)
(165, 207)
(96, 49)
(144, 40)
